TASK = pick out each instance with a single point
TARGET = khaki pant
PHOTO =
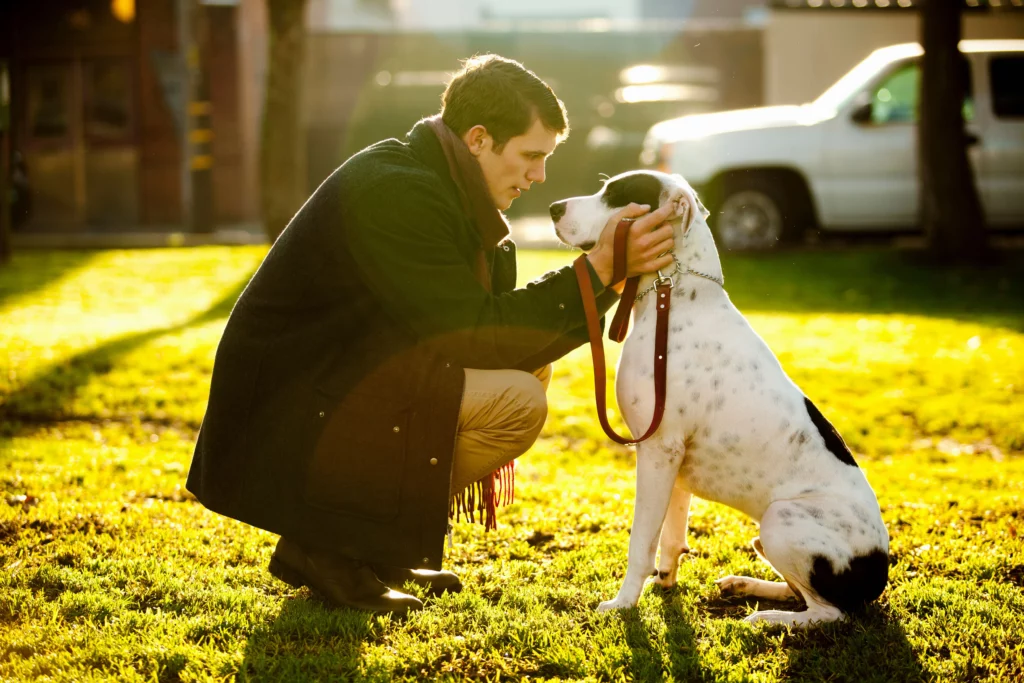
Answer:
(502, 414)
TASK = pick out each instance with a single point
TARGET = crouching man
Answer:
(381, 370)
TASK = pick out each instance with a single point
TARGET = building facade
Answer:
(104, 118)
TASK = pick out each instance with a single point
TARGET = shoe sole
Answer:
(280, 570)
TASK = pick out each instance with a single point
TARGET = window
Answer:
(48, 101)
(896, 99)
(1007, 74)
(108, 104)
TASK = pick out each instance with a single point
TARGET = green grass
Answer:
(109, 569)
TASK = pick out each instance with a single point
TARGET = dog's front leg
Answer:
(655, 475)
(673, 535)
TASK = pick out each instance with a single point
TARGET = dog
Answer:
(736, 430)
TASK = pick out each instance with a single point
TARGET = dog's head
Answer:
(580, 220)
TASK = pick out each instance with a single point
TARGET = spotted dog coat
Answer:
(736, 430)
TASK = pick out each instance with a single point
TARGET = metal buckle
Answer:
(662, 279)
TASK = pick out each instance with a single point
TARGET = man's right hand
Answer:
(648, 246)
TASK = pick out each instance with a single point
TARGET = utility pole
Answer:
(200, 130)
(196, 139)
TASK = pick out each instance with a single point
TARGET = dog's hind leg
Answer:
(790, 535)
(655, 475)
(743, 586)
(673, 535)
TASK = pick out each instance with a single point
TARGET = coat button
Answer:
(561, 306)
(395, 429)
(433, 461)
(321, 413)
(426, 560)
(505, 247)
(447, 365)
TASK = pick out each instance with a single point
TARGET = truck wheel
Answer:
(752, 214)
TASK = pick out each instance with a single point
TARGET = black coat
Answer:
(337, 383)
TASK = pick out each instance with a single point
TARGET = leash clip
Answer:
(664, 279)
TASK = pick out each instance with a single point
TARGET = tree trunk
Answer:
(5, 165)
(951, 212)
(282, 151)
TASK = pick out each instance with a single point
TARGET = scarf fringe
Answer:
(485, 496)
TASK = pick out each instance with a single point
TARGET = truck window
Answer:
(895, 100)
(1007, 75)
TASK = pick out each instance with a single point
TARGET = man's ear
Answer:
(477, 139)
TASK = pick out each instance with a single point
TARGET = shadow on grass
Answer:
(680, 639)
(309, 640)
(48, 394)
(879, 282)
(870, 646)
(646, 662)
(31, 271)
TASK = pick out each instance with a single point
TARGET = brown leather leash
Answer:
(617, 331)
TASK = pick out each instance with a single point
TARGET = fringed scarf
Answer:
(498, 487)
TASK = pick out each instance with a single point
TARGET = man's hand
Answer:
(648, 244)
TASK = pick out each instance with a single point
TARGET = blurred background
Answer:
(131, 116)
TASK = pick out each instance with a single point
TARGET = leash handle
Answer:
(663, 298)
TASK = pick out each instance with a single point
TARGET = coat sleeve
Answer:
(412, 262)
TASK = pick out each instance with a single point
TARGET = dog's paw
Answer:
(610, 605)
(665, 579)
(733, 586)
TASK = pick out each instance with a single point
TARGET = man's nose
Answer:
(536, 174)
(557, 210)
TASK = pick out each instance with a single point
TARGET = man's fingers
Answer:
(662, 234)
(662, 262)
(632, 210)
(654, 218)
(662, 247)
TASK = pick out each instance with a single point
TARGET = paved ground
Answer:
(533, 232)
(530, 232)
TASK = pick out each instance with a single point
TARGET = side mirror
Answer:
(862, 113)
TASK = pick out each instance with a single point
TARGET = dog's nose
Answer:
(557, 210)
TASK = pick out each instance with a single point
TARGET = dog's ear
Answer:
(687, 205)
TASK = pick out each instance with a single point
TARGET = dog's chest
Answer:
(726, 397)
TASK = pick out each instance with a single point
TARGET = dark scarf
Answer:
(498, 487)
(473, 193)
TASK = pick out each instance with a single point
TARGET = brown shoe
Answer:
(342, 581)
(436, 583)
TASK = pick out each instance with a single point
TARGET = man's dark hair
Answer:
(503, 96)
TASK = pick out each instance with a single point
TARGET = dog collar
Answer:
(662, 279)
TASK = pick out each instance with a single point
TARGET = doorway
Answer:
(79, 143)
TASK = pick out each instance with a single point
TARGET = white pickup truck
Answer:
(847, 161)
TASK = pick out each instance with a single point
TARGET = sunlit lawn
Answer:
(109, 569)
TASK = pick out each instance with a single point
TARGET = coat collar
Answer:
(448, 156)
(427, 149)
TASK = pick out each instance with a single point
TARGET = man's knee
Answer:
(531, 400)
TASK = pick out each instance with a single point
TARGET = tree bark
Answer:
(951, 211)
(282, 150)
(5, 165)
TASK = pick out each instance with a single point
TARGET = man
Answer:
(381, 361)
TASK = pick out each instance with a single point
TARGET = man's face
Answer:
(519, 165)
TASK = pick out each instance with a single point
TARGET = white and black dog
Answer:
(736, 430)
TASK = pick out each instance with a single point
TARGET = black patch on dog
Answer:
(638, 188)
(853, 588)
(833, 441)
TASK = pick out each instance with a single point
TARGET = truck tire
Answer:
(754, 212)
